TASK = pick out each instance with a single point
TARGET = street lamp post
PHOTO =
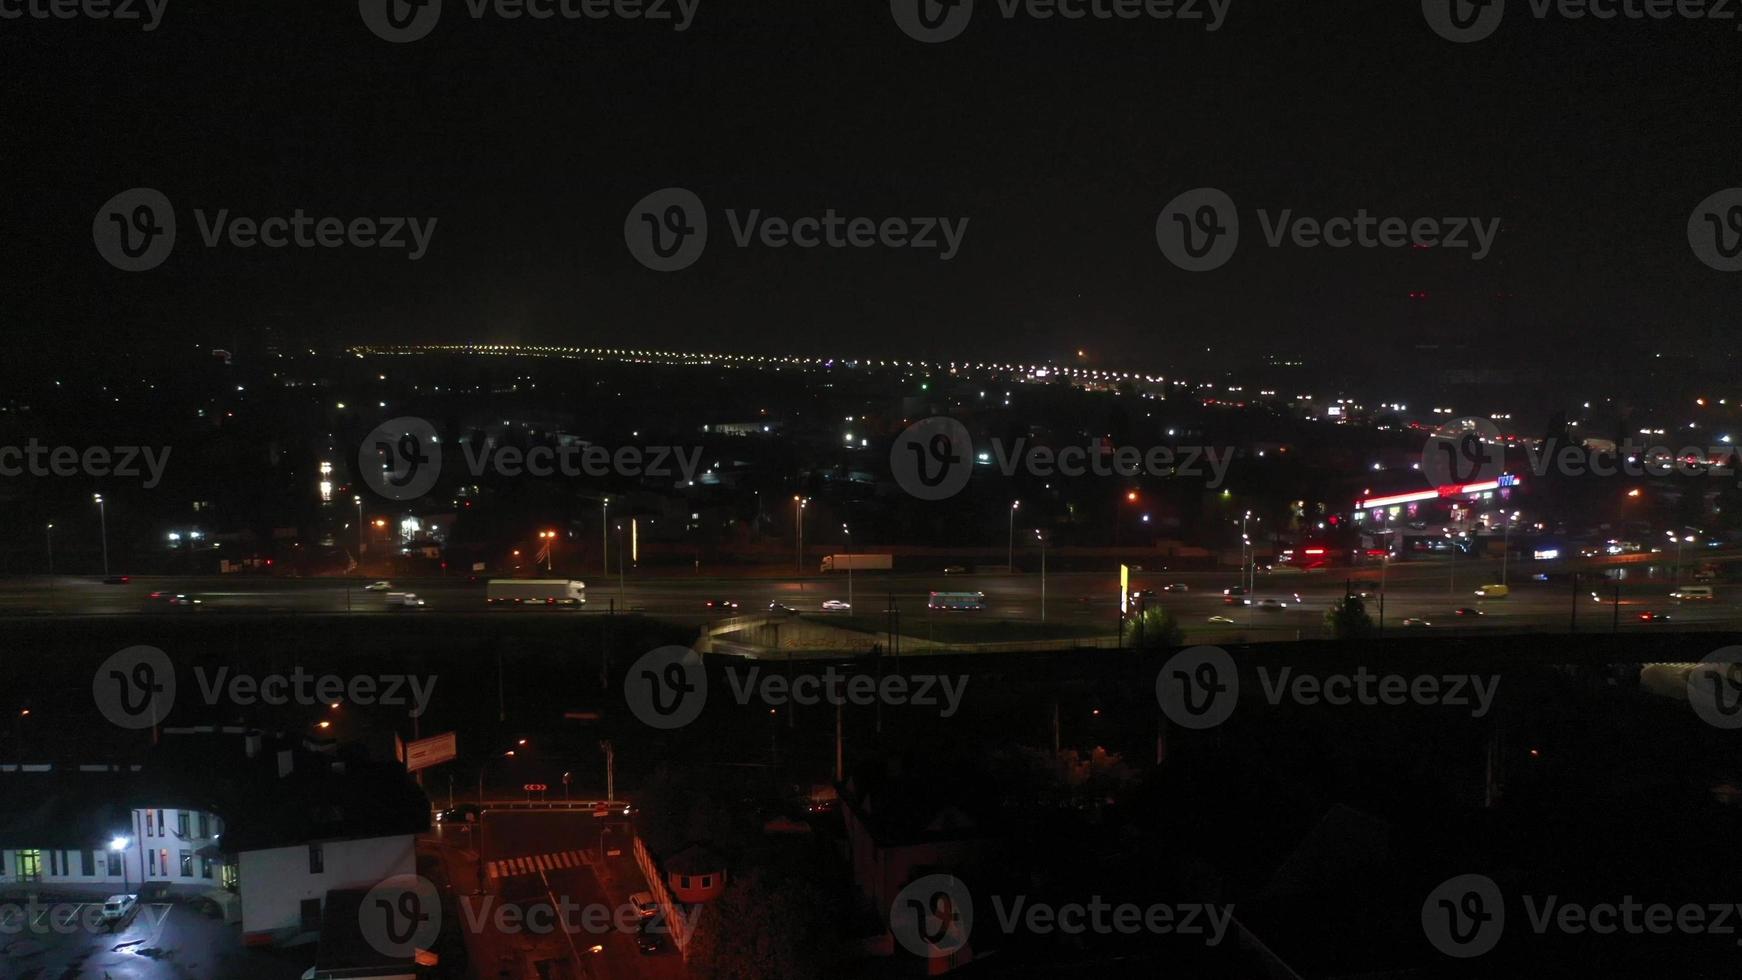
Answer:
(49, 531)
(1038, 536)
(103, 525)
(847, 533)
(605, 534)
(1505, 548)
(485, 767)
(1010, 561)
(119, 846)
(549, 550)
(358, 500)
(798, 506)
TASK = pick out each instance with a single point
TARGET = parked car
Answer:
(650, 938)
(381, 586)
(644, 904)
(117, 908)
(836, 605)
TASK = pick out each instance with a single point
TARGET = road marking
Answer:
(535, 863)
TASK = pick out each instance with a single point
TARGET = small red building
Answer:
(695, 873)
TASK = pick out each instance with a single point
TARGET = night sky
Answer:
(1060, 140)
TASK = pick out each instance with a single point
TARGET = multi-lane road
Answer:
(1428, 591)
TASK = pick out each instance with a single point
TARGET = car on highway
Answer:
(117, 579)
(780, 607)
(1652, 616)
(723, 604)
(836, 605)
(1235, 591)
(1142, 593)
(117, 908)
(1221, 619)
(644, 904)
(404, 600)
(172, 599)
(381, 586)
(464, 813)
(1176, 587)
(1495, 591)
(1416, 623)
(1270, 605)
(1695, 592)
(955, 570)
(1468, 611)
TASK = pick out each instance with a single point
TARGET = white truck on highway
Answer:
(858, 563)
(536, 591)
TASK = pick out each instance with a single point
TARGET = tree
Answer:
(1156, 629)
(1348, 619)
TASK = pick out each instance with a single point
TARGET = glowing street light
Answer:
(103, 523)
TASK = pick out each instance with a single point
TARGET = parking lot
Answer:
(60, 940)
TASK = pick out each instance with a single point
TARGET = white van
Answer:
(1692, 592)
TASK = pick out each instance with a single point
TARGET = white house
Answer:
(283, 887)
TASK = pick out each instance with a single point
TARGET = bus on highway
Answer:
(957, 600)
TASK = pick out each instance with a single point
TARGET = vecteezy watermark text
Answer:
(1199, 688)
(136, 688)
(404, 21)
(667, 688)
(668, 230)
(933, 458)
(135, 231)
(1199, 230)
(401, 459)
(149, 13)
(1466, 21)
(936, 21)
(1464, 917)
(35, 459)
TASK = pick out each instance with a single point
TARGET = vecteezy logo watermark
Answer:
(134, 231)
(404, 21)
(1472, 450)
(1715, 688)
(1199, 688)
(933, 458)
(1200, 229)
(1104, 918)
(401, 915)
(668, 230)
(35, 459)
(1464, 916)
(1715, 230)
(1463, 21)
(932, 916)
(1466, 450)
(936, 21)
(401, 458)
(481, 914)
(135, 688)
(118, 10)
(666, 687)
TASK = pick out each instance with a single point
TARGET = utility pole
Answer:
(610, 770)
(605, 535)
(103, 523)
(1010, 560)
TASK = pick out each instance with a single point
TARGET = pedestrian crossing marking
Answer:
(535, 864)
